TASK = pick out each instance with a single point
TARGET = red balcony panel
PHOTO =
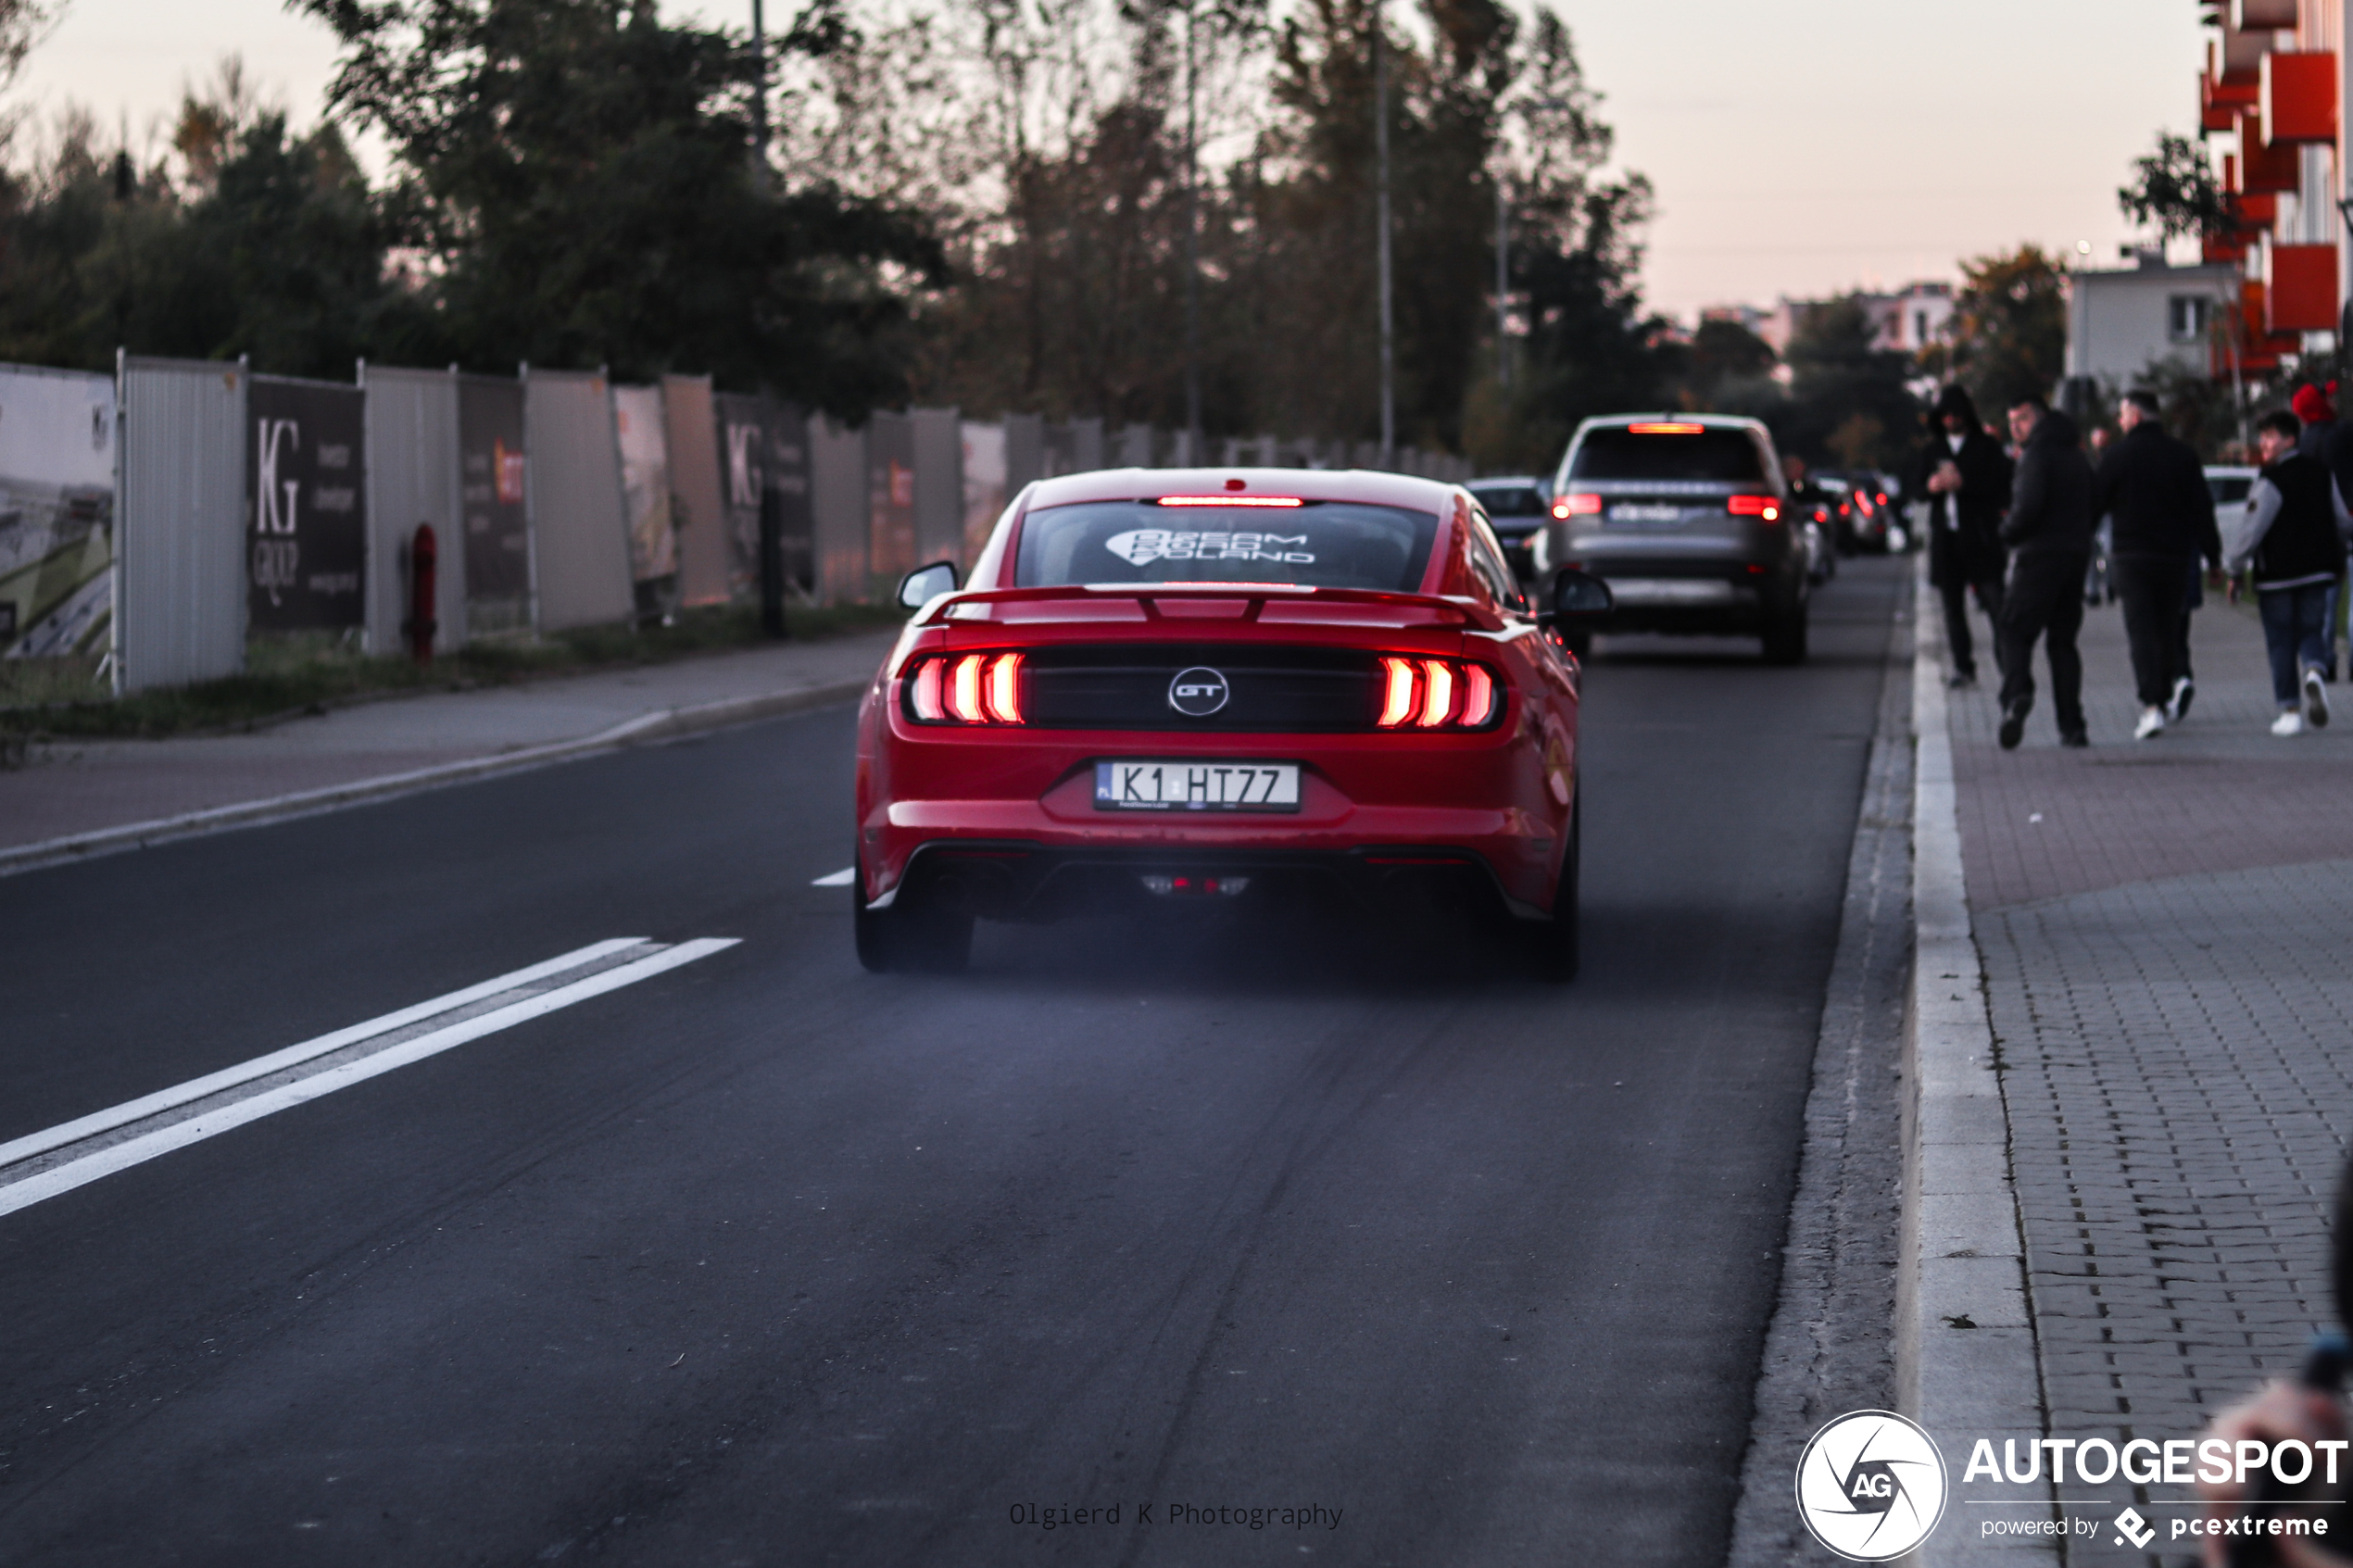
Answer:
(2261, 16)
(2214, 252)
(2258, 212)
(2265, 166)
(2301, 292)
(2299, 97)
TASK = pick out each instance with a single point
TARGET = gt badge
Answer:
(1197, 693)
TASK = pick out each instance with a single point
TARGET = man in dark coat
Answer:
(2050, 533)
(2154, 488)
(1962, 471)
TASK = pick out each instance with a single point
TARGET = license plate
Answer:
(1645, 511)
(1151, 784)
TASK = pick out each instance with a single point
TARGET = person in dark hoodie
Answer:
(2155, 489)
(1962, 471)
(2050, 533)
(2292, 540)
(2322, 436)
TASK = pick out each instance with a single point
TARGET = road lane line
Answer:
(73, 1173)
(195, 1089)
(839, 879)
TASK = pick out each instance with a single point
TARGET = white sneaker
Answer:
(2316, 699)
(2179, 709)
(2289, 723)
(2152, 725)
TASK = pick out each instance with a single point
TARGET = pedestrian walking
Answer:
(2320, 434)
(2049, 534)
(1967, 479)
(2152, 488)
(2291, 543)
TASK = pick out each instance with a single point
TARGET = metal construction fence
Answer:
(154, 519)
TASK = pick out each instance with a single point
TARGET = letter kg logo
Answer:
(1870, 1485)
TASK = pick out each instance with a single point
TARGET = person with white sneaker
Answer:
(2154, 488)
(2291, 544)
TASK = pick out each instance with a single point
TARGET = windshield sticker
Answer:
(1141, 546)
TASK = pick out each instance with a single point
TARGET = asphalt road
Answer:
(767, 1260)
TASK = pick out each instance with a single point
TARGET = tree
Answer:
(1847, 402)
(579, 173)
(2174, 188)
(2009, 327)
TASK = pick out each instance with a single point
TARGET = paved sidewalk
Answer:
(2166, 928)
(75, 788)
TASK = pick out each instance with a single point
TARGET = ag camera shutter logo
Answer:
(1870, 1485)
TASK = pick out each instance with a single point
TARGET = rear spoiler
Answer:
(981, 604)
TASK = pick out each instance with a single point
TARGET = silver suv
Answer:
(1687, 517)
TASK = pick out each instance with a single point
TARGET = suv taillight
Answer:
(963, 689)
(1577, 503)
(1760, 507)
(1437, 693)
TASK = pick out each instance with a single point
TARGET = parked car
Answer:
(1686, 518)
(1816, 511)
(1193, 687)
(2231, 485)
(1518, 506)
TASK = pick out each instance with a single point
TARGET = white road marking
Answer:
(72, 1174)
(195, 1089)
(841, 878)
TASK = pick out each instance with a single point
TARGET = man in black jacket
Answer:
(2154, 488)
(2050, 533)
(1962, 471)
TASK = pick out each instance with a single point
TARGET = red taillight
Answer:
(1846, 510)
(972, 688)
(1579, 503)
(1763, 507)
(1397, 699)
(1882, 498)
(1004, 688)
(924, 696)
(1437, 694)
(1666, 427)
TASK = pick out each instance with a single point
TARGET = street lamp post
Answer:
(1380, 158)
(1192, 239)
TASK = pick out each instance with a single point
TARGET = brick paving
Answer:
(2166, 928)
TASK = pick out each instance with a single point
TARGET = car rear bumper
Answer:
(1026, 879)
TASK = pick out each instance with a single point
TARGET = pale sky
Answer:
(1798, 147)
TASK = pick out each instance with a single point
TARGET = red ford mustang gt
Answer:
(1208, 683)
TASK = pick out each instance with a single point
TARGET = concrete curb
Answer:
(1961, 1254)
(669, 723)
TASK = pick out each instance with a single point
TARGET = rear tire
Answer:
(1785, 633)
(913, 936)
(1552, 945)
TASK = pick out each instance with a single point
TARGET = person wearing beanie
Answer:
(1962, 471)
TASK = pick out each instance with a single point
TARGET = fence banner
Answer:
(179, 598)
(841, 511)
(1132, 447)
(57, 511)
(939, 485)
(763, 451)
(890, 472)
(307, 552)
(645, 485)
(579, 530)
(491, 478)
(696, 512)
(1025, 452)
(792, 475)
(412, 483)
(986, 489)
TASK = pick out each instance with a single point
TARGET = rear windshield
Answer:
(1615, 452)
(1321, 544)
(1509, 500)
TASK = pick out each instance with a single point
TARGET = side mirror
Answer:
(925, 583)
(1577, 595)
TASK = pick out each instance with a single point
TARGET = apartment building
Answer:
(2271, 103)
